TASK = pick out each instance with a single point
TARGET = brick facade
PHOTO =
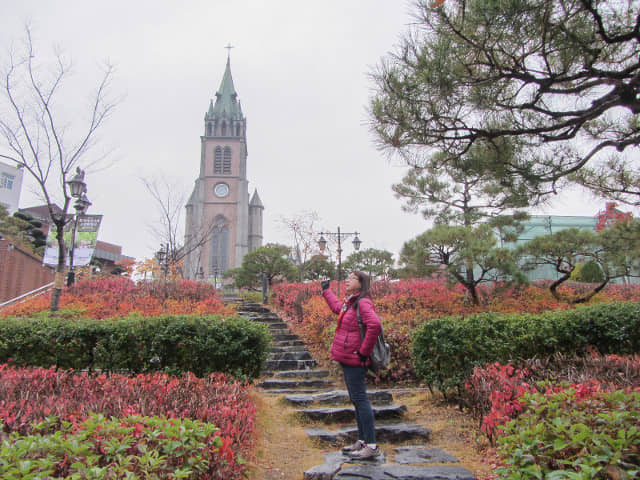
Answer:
(20, 271)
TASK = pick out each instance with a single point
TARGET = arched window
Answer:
(226, 164)
(217, 160)
(219, 247)
(237, 130)
(208, 129)
(223, 129)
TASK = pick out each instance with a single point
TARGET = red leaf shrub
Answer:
(29, 395)
(494, 393)
(405, 304)
(130, 447)
(112, 296)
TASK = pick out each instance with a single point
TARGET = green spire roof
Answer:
(227, 103)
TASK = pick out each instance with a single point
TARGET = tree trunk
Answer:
(590, 295)
(553, 288)
(471, 283)
(58, 281)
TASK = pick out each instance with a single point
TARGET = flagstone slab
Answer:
(333, 461)
(386, 433)
(422, 454)
(403, 472)
(347, 414)
(337, 397)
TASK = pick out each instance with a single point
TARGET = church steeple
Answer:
(227, 103)
(220, 204)
(224, 117)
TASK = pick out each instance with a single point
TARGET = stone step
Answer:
(403, 472)
(270, 384)
(285, 337)
(289, 391)
(337, 397)
(265, 315)
(415, 454)
(273, 325)
(300, 355)
(333, 462)
(290, 348)
(254, 307)
(287, 343)
(422, 454)
(280, 331)
(347, 414)
(281, 365)
(302, 374)
(385, 433)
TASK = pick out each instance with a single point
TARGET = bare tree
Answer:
(36, 131)
(170, 199)
(305, 238)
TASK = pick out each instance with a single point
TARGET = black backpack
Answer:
(381, 353)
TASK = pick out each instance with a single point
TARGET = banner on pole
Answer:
(85, 244)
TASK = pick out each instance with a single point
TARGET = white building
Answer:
(10, 186)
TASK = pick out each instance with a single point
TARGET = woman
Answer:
(353, 355)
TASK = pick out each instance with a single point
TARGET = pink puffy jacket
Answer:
(346, 341)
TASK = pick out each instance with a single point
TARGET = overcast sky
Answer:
(301, 72)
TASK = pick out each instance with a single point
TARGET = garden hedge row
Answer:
(172, 343)
(445, 350)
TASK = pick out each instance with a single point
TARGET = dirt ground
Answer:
(284, 451)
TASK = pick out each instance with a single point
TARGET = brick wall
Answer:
(20, 271)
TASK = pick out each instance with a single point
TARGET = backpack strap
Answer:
(360, 320)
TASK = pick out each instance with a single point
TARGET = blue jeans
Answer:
(357, 388)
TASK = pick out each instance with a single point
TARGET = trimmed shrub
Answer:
(446, 350)
(199, 344)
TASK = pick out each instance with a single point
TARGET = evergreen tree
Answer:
(376, 263)
(559, 78)
(23, 230)
(269, 261)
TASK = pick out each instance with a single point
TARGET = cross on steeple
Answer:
(229, 47)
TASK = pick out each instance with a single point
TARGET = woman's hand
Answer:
(363, 359)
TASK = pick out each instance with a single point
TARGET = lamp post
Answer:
(322, 243)
(215, 277)
(162, 256)
(78, 191)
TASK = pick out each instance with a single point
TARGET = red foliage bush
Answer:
(494, 393)
(403, 305)
(29, 395)
(112, 296)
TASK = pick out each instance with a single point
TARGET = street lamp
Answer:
(215, 277)
(162, 256)
(78, 189)
(322, 243)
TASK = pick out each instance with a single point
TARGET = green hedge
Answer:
(445, 350)
(173, 343)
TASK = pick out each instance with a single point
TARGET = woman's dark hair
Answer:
(365, 283)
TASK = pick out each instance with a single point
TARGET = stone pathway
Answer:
(291, 373)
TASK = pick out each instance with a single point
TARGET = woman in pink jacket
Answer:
(353, 355)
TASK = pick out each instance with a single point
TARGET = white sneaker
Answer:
(359, 445)
(366, 453)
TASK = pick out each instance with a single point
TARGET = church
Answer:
(223, 223)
